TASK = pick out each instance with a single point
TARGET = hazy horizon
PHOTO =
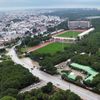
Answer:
(36, 4)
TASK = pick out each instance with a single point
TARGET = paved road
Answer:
(85, 94)
(34, 86)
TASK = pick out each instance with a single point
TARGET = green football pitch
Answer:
(52, 48)
(69, 34)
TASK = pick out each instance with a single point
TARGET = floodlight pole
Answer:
(62, 45)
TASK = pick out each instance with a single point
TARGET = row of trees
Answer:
(47, 92)
(33, 41)
(29, 41)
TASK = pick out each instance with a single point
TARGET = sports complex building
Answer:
(71, 36)
(79, 24)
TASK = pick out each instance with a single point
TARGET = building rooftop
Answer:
(91, 72)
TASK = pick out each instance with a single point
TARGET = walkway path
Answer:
(34, 86)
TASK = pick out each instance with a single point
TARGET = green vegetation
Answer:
(96, 83)
(74, 14)
(50, 57)
(52, 48)
(8, 98)
(49, 61)
(48, 66)
(13, 78)
(23, 49)
(48, 88)
(69, 34)
(48, 93)
(62, 25)
(96, 24)
(90, 45)
(70, 76)
(29, 41)
(87, 69)
(87, 60)
(2, 51)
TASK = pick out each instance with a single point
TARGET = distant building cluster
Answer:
(17, 24)
(79, 24)
(13, 25)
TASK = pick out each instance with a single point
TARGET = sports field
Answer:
(69, 34)
(52, 48)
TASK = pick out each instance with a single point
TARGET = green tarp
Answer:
(87, 69)
(72, 76)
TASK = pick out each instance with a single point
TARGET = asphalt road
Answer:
(33, 86)
(58, 82)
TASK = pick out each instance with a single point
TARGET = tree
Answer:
(34, 30)
(79, 79)
(48, 88)
(28, 33)
(47, 66)
(64, 95)
(96, 79)
(96, 66)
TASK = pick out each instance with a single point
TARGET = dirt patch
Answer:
(39, 46)
(63, 66)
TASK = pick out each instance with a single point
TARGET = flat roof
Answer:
(72, 76)
(87, 69)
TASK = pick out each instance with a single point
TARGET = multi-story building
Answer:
(79, 24)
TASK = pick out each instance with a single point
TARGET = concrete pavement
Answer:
(33, 86)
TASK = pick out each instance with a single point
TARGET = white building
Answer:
(79, 24)
(81, 35)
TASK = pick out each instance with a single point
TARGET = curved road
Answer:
(58, 82)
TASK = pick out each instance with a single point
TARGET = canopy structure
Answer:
(89, 70)
(85, 32)
(72, 76)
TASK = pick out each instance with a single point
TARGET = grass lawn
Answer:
(52, 48)
(69, 34)
(23, 49)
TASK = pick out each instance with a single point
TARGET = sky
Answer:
(14, 4)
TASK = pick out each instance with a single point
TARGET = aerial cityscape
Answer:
(49, 50)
